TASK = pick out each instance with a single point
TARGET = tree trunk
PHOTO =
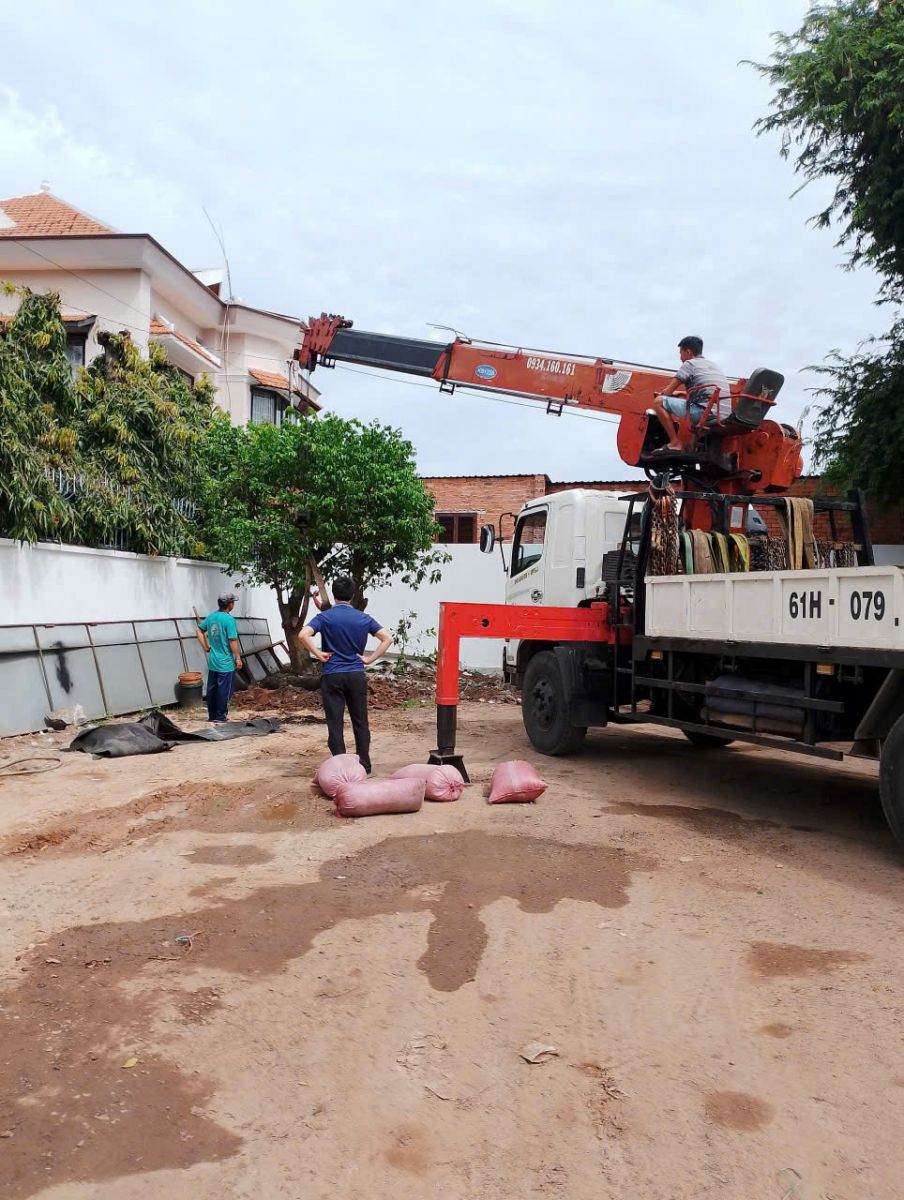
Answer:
(314, 570)
(297, 655)
(292, 610)
(359, 600)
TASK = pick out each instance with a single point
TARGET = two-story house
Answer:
(113, 281)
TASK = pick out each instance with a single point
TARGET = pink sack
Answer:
(443, 783)
(375, 796)
(515, 783)
(341, 768)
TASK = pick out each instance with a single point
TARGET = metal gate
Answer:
(108, 667)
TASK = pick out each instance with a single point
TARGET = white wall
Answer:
(119, 299)
(244, 352)
(46, 584)
(470, 576)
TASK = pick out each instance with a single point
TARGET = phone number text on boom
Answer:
(552, 366)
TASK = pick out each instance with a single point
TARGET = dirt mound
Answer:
(388, 689)
(205, 807)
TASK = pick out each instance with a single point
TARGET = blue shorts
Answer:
(678, 406)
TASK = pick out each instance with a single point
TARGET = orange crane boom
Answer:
(746, 454)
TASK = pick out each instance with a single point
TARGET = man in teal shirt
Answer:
(219, 638)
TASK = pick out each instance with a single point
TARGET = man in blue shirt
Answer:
(219, 639)
(344, 631)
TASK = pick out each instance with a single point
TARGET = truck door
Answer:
(527, 576)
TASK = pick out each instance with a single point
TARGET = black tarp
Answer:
(156, 732)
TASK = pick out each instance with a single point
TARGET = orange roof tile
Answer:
(66, 318)
(159, 329)
(44, 215)
(271, 380)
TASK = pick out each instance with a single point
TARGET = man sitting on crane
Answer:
(701, 379)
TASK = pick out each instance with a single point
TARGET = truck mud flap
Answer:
(586, 711)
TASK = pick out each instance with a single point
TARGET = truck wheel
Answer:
(706, 741)
(891, 780)
(545, 708)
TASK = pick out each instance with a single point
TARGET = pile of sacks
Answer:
(345, 781)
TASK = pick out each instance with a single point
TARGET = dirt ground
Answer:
(212, 987)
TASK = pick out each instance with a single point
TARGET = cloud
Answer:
(580, 178)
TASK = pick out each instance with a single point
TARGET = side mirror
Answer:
(487, 539)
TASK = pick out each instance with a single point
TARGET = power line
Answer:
(119, 300)
(265, 358)
(81, 278)
(119, 323)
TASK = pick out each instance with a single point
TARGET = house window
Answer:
(75, 350)
(267, 408)
(528, 547)
(456, 527)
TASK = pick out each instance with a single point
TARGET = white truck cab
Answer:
(557, 551)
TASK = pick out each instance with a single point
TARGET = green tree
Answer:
(36, 436)
(838, 103)
(326, 490)
(113, 454)
(142, 431)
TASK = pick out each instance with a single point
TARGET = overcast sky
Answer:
(565, 174)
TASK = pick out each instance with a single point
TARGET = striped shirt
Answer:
(700, 378)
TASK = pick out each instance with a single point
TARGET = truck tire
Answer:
(545, 708)
(706, 741)
(891, 780)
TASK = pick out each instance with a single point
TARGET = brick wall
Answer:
(886, 525)
(488, 495)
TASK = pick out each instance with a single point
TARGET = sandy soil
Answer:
(212, 987)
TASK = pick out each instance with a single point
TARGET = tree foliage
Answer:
(36, 404)
(108, 458)
(142, 429)
(339, 492)
(860, 430)
(839, 105)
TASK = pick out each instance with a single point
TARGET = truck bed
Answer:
(856, 607)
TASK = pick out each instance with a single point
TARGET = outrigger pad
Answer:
(438, 759)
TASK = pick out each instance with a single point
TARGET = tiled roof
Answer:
(503, 475)
(66, 318)
(271, 379)
(44, 215)
(158, 329)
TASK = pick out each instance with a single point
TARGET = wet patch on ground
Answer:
(212, 887)
(777, 1030)
(771, 959)
(717, 822)
(76, 1112)
(737, 1110)
(241, 855)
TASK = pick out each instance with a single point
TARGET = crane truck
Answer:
(672, 605)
